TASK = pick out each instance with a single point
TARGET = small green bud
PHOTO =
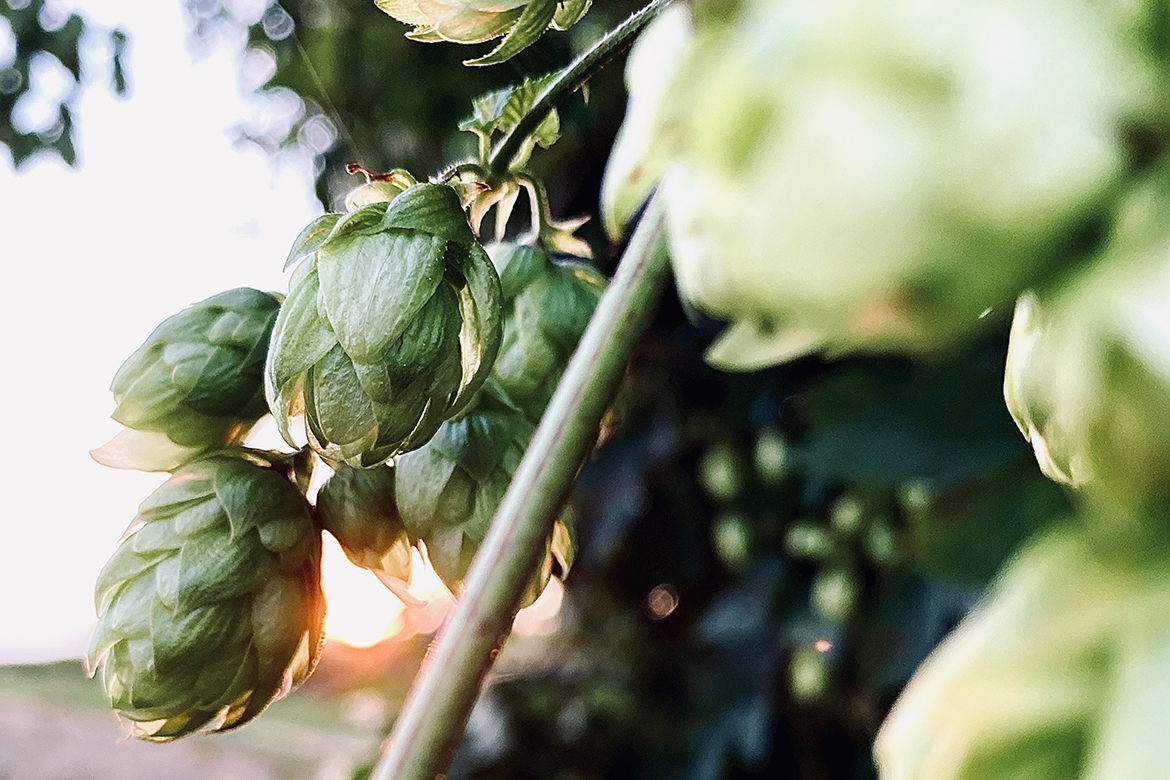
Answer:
(211, 607)
(547, 306)
(195, 384)
(834, 594)
(449, 490)
(810, 540)
(721, 473)
(358, 507)
(732, 537)
(771, 458)
(391, 325)
(808, 674)
(847, 515)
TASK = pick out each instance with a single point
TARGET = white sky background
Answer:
(165, 209)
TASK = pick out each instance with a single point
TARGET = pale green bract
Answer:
(391, 325)
(211, 607)
(519, 22)
(1088, 369)
(194, 385)
(449, 490)
(877, 177)
(1060, 673)
(546, 308)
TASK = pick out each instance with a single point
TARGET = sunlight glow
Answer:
(360, 612)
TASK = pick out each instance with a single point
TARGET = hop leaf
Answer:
(501, 110)
(358, 507)
(211, 607)
(833, 180)
(195, 384)
(391, 324)
(449, 490)
(547, 306)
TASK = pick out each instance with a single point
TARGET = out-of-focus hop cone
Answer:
(392, 322)
(1088, 371)
(546, 307)
(449, 490)
(194, 385)
(211, 607)
(875, 177)
(1060, 673)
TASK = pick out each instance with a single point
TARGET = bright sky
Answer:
(164, 210)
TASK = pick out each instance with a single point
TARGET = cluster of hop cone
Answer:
(405, 356)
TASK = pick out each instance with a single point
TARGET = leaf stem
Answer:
(573, 76)
(422, 742)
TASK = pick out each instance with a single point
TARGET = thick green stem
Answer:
(577, 73)
(435, 712)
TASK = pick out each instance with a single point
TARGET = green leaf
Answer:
(569, 12)
(501, 110)
(535, 19)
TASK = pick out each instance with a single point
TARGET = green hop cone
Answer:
(195, 384)
(863, 177)
(358, 507)
(211, 607)
(547, 306)
(519, 22)
(1088, 369)
(1060, 673)
(449, 490)
(391, 325)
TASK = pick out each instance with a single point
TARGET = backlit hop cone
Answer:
(520, 22)
(211, 607)
(391, 324)
(195, 384)
(358, 507)
(547, 306)
(449, 490)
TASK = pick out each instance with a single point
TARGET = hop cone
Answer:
(1088, 369)
(547, 306)
(358, 507)
(862, 177)
(195, 384)
(391, 324)
(449, 490)
(519, 22)
(211, 607)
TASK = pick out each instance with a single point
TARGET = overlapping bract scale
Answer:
(211, 607)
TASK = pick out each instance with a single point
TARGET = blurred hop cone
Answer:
(519, 22)
(1061, 673)
(449, 490)
(1088, 370)
(358, 507)
(546, 307)
(194, 385)
(211, 607)
(391, 324)
(857, 176)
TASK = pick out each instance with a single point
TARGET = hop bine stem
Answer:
(436, 710)
(577, 73)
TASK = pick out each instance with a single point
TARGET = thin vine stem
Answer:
(422, 742)
(577, 73)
